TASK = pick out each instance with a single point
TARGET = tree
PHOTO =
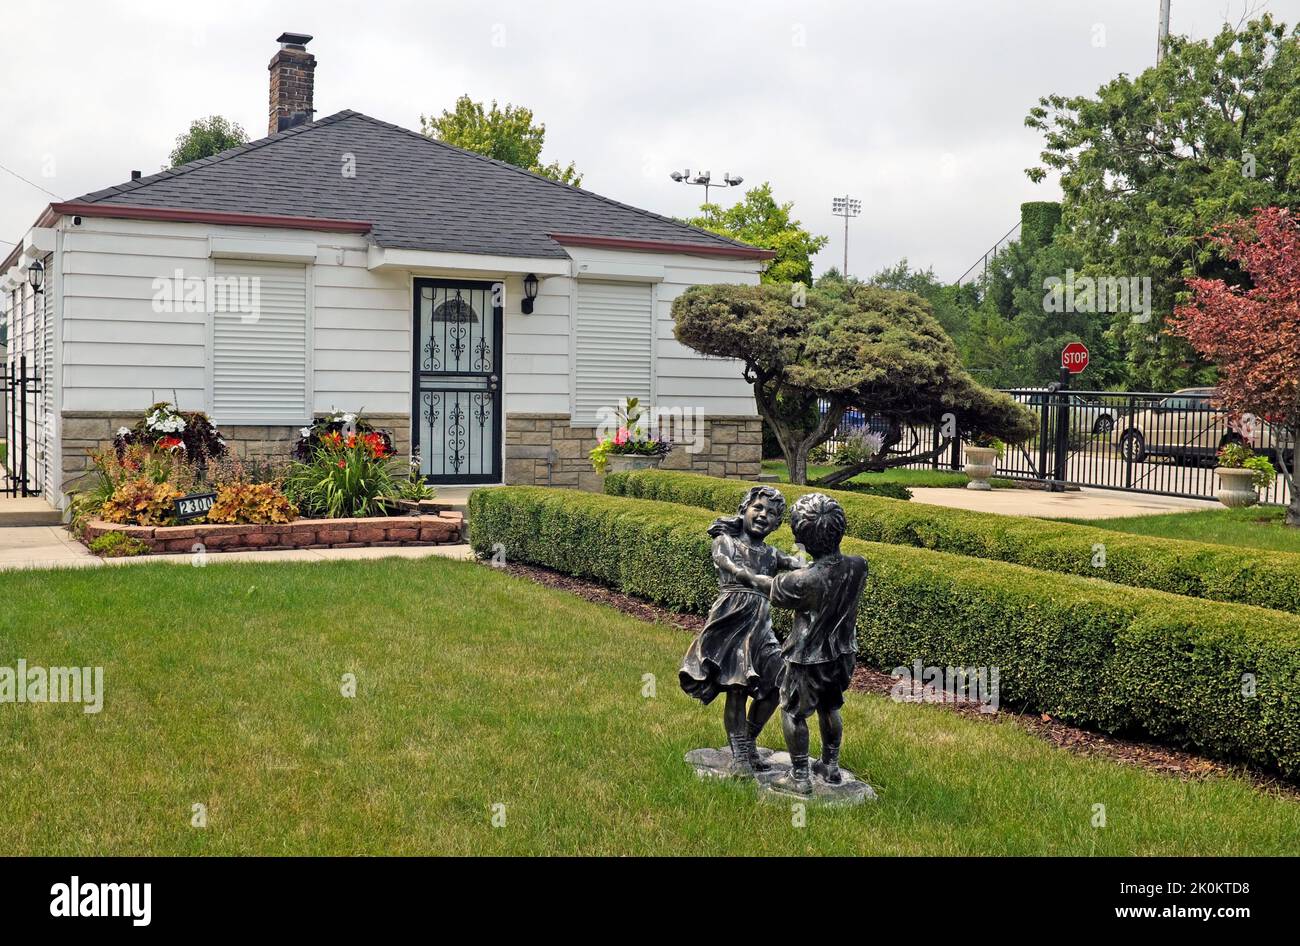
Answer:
(206, 137)
(1250, 328)
(507, 134)
(1149, 164)
(859, 346)
(760, 221)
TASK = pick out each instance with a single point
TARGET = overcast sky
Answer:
(916, 108)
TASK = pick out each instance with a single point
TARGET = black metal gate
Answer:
(23, 404)
(456, 381)
(1136, 441)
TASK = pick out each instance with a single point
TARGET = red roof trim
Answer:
(120, 212)
(663, 246)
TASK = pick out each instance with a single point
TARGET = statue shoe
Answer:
(827, 771)
(755, 760)
(797, 780)
(740, 763)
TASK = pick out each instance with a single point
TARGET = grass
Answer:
(909, 477)
(475, 688)
(1256, 527)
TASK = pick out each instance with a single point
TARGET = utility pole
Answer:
(846, 207)
(1164, 31)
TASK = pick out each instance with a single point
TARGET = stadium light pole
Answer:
(846, 207)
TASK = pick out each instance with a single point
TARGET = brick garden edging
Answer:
(380, 531)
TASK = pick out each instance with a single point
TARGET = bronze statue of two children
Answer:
(737, 652)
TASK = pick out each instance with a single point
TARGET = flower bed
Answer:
(441, 528)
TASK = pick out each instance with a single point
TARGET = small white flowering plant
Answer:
(165, 427)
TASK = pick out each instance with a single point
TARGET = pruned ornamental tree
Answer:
(877, 350)
(1250, 329)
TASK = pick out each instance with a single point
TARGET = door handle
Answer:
(492, 382)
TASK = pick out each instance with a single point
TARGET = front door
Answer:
(456, 409)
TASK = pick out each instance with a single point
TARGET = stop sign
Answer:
(1074, 357)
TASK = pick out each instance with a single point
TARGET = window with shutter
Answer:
(613, 342)
(260, 343)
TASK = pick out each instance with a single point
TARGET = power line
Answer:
(32, 183)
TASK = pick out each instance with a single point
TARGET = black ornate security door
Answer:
(456, 414)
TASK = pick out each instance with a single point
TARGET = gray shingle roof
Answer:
(418, 193)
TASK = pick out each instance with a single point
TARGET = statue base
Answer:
(850, 790)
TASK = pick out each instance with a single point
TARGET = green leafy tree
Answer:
(760, 221)
(1149, 164)
(206, 137)
(505, 133)
(877, 350)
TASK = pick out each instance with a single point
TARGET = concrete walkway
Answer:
(1073, 504)
(24, 547)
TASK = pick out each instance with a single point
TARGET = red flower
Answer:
(620, 438)
(171, 443)
(343, 464)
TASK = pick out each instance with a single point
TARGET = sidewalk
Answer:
(1073, 504)
(24, 547)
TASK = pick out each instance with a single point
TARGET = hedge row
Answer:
(1196, 569)
(1115, 658)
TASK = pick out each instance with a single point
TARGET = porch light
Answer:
(530, 293)
(36, 275)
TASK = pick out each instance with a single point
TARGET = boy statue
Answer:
(821, 650)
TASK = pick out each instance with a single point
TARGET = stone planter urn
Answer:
(979, 466)
(1235, 487)
(630, 462)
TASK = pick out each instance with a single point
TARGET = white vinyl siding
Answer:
(261, 361)
(613, 346)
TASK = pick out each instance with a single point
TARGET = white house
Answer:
(349, 263)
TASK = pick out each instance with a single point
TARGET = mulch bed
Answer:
(1148, 755)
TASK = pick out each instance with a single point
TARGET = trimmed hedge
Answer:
(1115, 658)
(1196, 569)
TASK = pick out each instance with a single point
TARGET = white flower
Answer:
(305, 431)
(349, 418)
(124, 431)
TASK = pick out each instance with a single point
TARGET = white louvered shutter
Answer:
(615, 335)
(260, 360)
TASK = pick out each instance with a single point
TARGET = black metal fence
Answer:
(22, 386)
(1143, 442)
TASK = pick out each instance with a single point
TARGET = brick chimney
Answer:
(293, 73)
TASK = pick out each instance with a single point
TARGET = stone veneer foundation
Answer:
(547, 450)
(87, 432)
(540, 449)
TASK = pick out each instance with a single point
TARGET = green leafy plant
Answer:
(141, 501)
(351, 478)
(244, 502)
(630, 438)
(413, 487)
(1242, 457)
(118, 545)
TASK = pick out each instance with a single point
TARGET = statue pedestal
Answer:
(716, 763)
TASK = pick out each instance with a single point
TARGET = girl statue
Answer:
(737, 652)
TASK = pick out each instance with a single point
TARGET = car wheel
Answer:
(1132, 446)
(1104, 425)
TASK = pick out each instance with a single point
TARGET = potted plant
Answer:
(982, 451)
(631, 447)
(1241, 475)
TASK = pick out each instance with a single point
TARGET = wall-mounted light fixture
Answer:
(36, 276)
(530, 293)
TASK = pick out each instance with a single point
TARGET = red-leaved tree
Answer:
(1252, 331)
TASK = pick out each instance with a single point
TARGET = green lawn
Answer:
(1257, 527)
(476, 688)
(911, 478)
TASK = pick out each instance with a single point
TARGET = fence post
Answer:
(1044, 410)
(1062, 432)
